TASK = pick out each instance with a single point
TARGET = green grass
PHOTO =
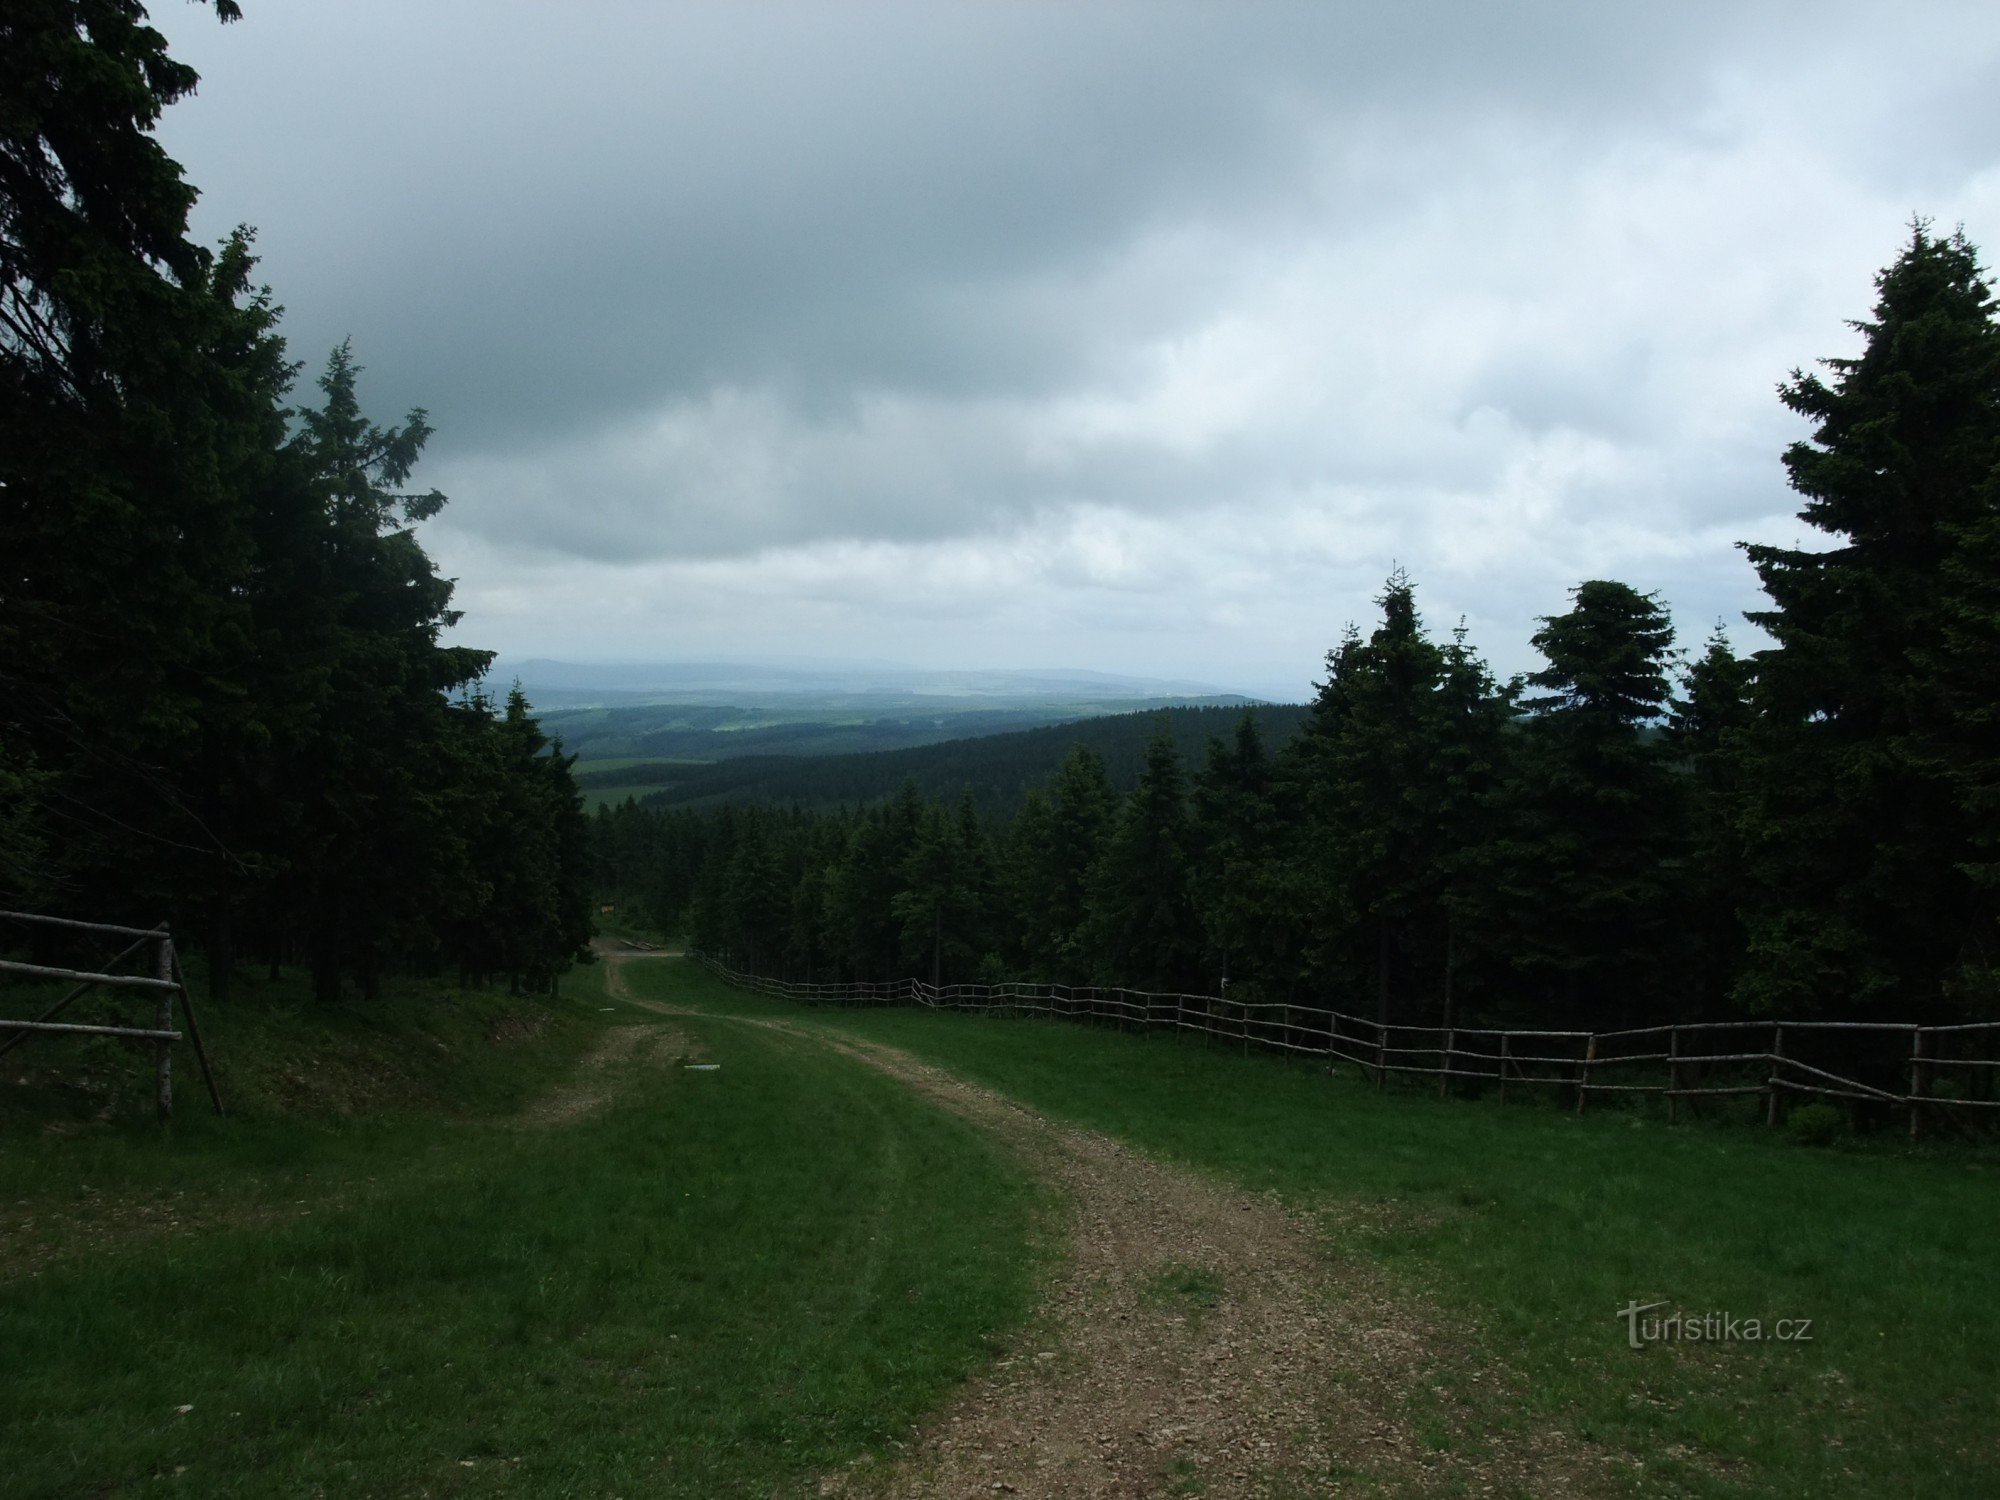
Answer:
(647, 774)
(1530, 1227)
(724, 1283)
(728, 1283)
(609, 783)
(280, 1057)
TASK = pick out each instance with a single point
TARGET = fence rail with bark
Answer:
(163, 981)
(1925, 1073)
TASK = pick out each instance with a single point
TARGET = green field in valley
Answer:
(595, 797)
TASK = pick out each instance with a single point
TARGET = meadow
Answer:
(1533, 1227)
(395, 1269)
(483, 1246)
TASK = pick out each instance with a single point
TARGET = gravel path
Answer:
(1195, 1340)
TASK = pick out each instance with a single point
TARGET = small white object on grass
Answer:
(703, 1067)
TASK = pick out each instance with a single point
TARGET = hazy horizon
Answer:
(819, 675)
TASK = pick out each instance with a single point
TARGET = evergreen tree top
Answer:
(1608, 656)
(1899, 467)
(1908, 428)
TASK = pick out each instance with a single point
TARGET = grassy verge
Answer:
(320, 1098)
(1535, 1227)
(722, 1283)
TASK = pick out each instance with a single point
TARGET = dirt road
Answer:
(1195, 1339)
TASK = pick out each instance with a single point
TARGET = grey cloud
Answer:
(530, 217)
(1168, 312)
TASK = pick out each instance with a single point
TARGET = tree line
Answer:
(999, 768)
(224, 696)
(1631, 833)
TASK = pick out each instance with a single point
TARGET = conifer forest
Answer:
(224, 699)
(1645, 829)
(1223, 750)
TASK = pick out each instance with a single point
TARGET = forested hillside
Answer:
(224, 700)
(997, 769)
(717, 731)
(1633, 832)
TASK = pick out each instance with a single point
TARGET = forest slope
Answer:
(999, 768)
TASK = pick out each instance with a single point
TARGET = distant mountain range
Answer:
(818, 687)
(711, 711)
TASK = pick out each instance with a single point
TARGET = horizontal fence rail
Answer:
(166, 985)
(1923, 1071)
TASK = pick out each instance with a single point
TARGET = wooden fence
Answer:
(1926, 1073)
(164, 983)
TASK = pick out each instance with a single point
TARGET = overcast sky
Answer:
(1142, 337)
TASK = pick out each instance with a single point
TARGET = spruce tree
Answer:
(1234, 844)
(222, 688)
(1860, 817)
(861, 892)
(520, 878)
(1082, 809)
(378, 819)
(1474, 751)
(140, 380)
(1311, 879)
(1141, 929)
(755, 898)
(1021, 895)
(1967, 665)
(1393, 765)
(1595, 829)
(942, 906)
(1705, 735)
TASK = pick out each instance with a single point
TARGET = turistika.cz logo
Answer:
(1707, 1328)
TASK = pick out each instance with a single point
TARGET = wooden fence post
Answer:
(1504, 1039)
(193, 1026)
(1673, 1074)
(1444, 1073)
(1771, 1087)
(1583, 1071)
(1246, 1030)
(163, 970)
(1381, 1054)
(1919, 1083)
